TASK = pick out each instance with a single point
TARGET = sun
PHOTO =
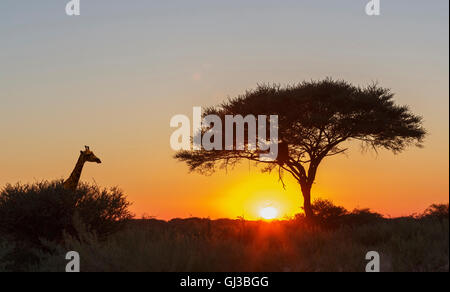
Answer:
(268, 213)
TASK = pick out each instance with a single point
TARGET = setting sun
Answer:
(268, 213)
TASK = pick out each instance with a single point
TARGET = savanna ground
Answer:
(40, 223)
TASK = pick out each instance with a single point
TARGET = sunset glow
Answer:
(127, 81)
(268, 213)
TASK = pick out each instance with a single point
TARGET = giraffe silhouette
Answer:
(85, 156)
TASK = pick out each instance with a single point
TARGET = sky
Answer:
(113, 77)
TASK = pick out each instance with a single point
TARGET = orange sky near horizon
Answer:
(114, 80)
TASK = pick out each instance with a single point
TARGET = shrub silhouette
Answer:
(437, 211)
(330, 216)
(326, 210)
(45, 210)
(362, 216)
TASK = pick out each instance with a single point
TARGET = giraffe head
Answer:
(89, 156)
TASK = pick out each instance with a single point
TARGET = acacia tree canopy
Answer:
(314, 119)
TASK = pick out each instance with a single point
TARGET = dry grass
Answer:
(199, 245)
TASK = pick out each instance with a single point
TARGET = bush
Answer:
(325, 209)
(32, 212)
(329, 216)
(362, 216)
(436, 211)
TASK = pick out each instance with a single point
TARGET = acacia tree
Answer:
(315, 118)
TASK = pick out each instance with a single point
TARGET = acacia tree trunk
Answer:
(306, 192)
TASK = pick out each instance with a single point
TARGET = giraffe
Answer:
(85, 156)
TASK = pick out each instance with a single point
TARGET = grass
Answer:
(201, 245)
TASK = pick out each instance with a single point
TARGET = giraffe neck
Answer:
(72, 181)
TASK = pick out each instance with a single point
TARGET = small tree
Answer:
(315, 118)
